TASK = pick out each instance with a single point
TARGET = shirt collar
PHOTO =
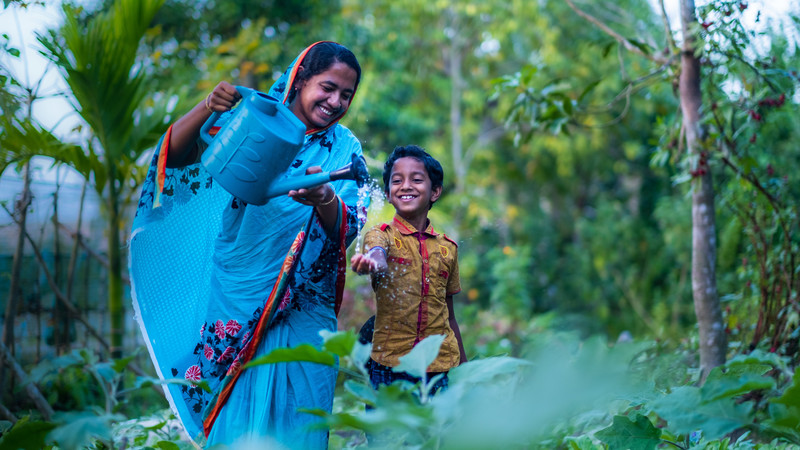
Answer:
(406, 228)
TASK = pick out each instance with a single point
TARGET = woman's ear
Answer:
(299, 82)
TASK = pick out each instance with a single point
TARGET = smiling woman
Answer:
(249, 278)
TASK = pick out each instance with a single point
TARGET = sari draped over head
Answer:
(216, 282)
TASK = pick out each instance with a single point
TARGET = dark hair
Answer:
(320, 58)
(432, 166)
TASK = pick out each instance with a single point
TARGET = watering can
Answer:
(251, 152)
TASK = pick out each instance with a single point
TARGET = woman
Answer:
(216, 281)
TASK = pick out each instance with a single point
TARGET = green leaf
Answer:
(416, 362)
(791, 396)
(685, 412)
(634, 434)
(120, 364)
(641, 46)
(583, 442)
(301, 353)
(484, 370)
(167, 445)
(340, 343)
(26, 435)
(78, 429)
(785, 410)
(734, 386)
(589, 88)
(363, 392)
(142, 382)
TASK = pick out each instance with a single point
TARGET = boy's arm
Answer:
(454, 327)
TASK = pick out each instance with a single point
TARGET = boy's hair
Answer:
(320, 58)
(432, 166)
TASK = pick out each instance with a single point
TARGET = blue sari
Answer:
(216, 282)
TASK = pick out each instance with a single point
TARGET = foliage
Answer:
(565, 393)
(93, 408)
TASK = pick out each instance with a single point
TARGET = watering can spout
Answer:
(356, 170)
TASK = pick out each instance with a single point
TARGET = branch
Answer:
(616, 36)
(70, 306)
(100, 258)
(30, 388)
(667, 28)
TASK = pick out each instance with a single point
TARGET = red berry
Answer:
(753, 138)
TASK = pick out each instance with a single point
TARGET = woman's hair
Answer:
(432, 166)
(320, 58)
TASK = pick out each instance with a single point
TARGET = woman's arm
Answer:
(185, 131)
(323, 198)
(454, 327)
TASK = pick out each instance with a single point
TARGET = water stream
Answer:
(370, 196)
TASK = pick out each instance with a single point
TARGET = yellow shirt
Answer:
(411, 296)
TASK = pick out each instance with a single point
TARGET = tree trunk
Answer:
(21, 209)
(60, 315)
(713, 342)
(116, 309)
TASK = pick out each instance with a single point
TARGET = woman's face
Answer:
(324, 97)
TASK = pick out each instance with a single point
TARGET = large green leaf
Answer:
(484, 370)
(26, 434)
(636, 433)
(416, 362)
(685, 412)
(79, 429)
(301, 353)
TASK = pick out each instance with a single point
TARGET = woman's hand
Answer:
(222, 97)
(316, 196)
(182, 148)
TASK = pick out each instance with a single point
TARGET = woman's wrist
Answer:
(328, 202)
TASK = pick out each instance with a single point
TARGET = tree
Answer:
(706, 58)
(109, 90)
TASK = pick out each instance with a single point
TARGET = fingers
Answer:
(363, 264)
(222, 98)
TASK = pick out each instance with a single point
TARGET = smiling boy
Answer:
(414, 271)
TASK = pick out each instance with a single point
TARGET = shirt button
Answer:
(427, 280)
(425, 261)
(379, 347)
(386, 327)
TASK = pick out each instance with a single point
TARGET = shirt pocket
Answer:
(438, 274)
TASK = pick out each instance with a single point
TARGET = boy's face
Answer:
(410, 190)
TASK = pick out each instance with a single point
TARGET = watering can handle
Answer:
(204, 130)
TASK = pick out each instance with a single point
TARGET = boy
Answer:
(414, 271)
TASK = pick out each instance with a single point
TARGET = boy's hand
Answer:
(363, 264)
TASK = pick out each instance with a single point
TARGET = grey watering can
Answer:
(256, 146)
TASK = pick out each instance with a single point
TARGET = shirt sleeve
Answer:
(376, 237)
(454, 282)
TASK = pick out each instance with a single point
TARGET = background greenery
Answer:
(568, 186)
